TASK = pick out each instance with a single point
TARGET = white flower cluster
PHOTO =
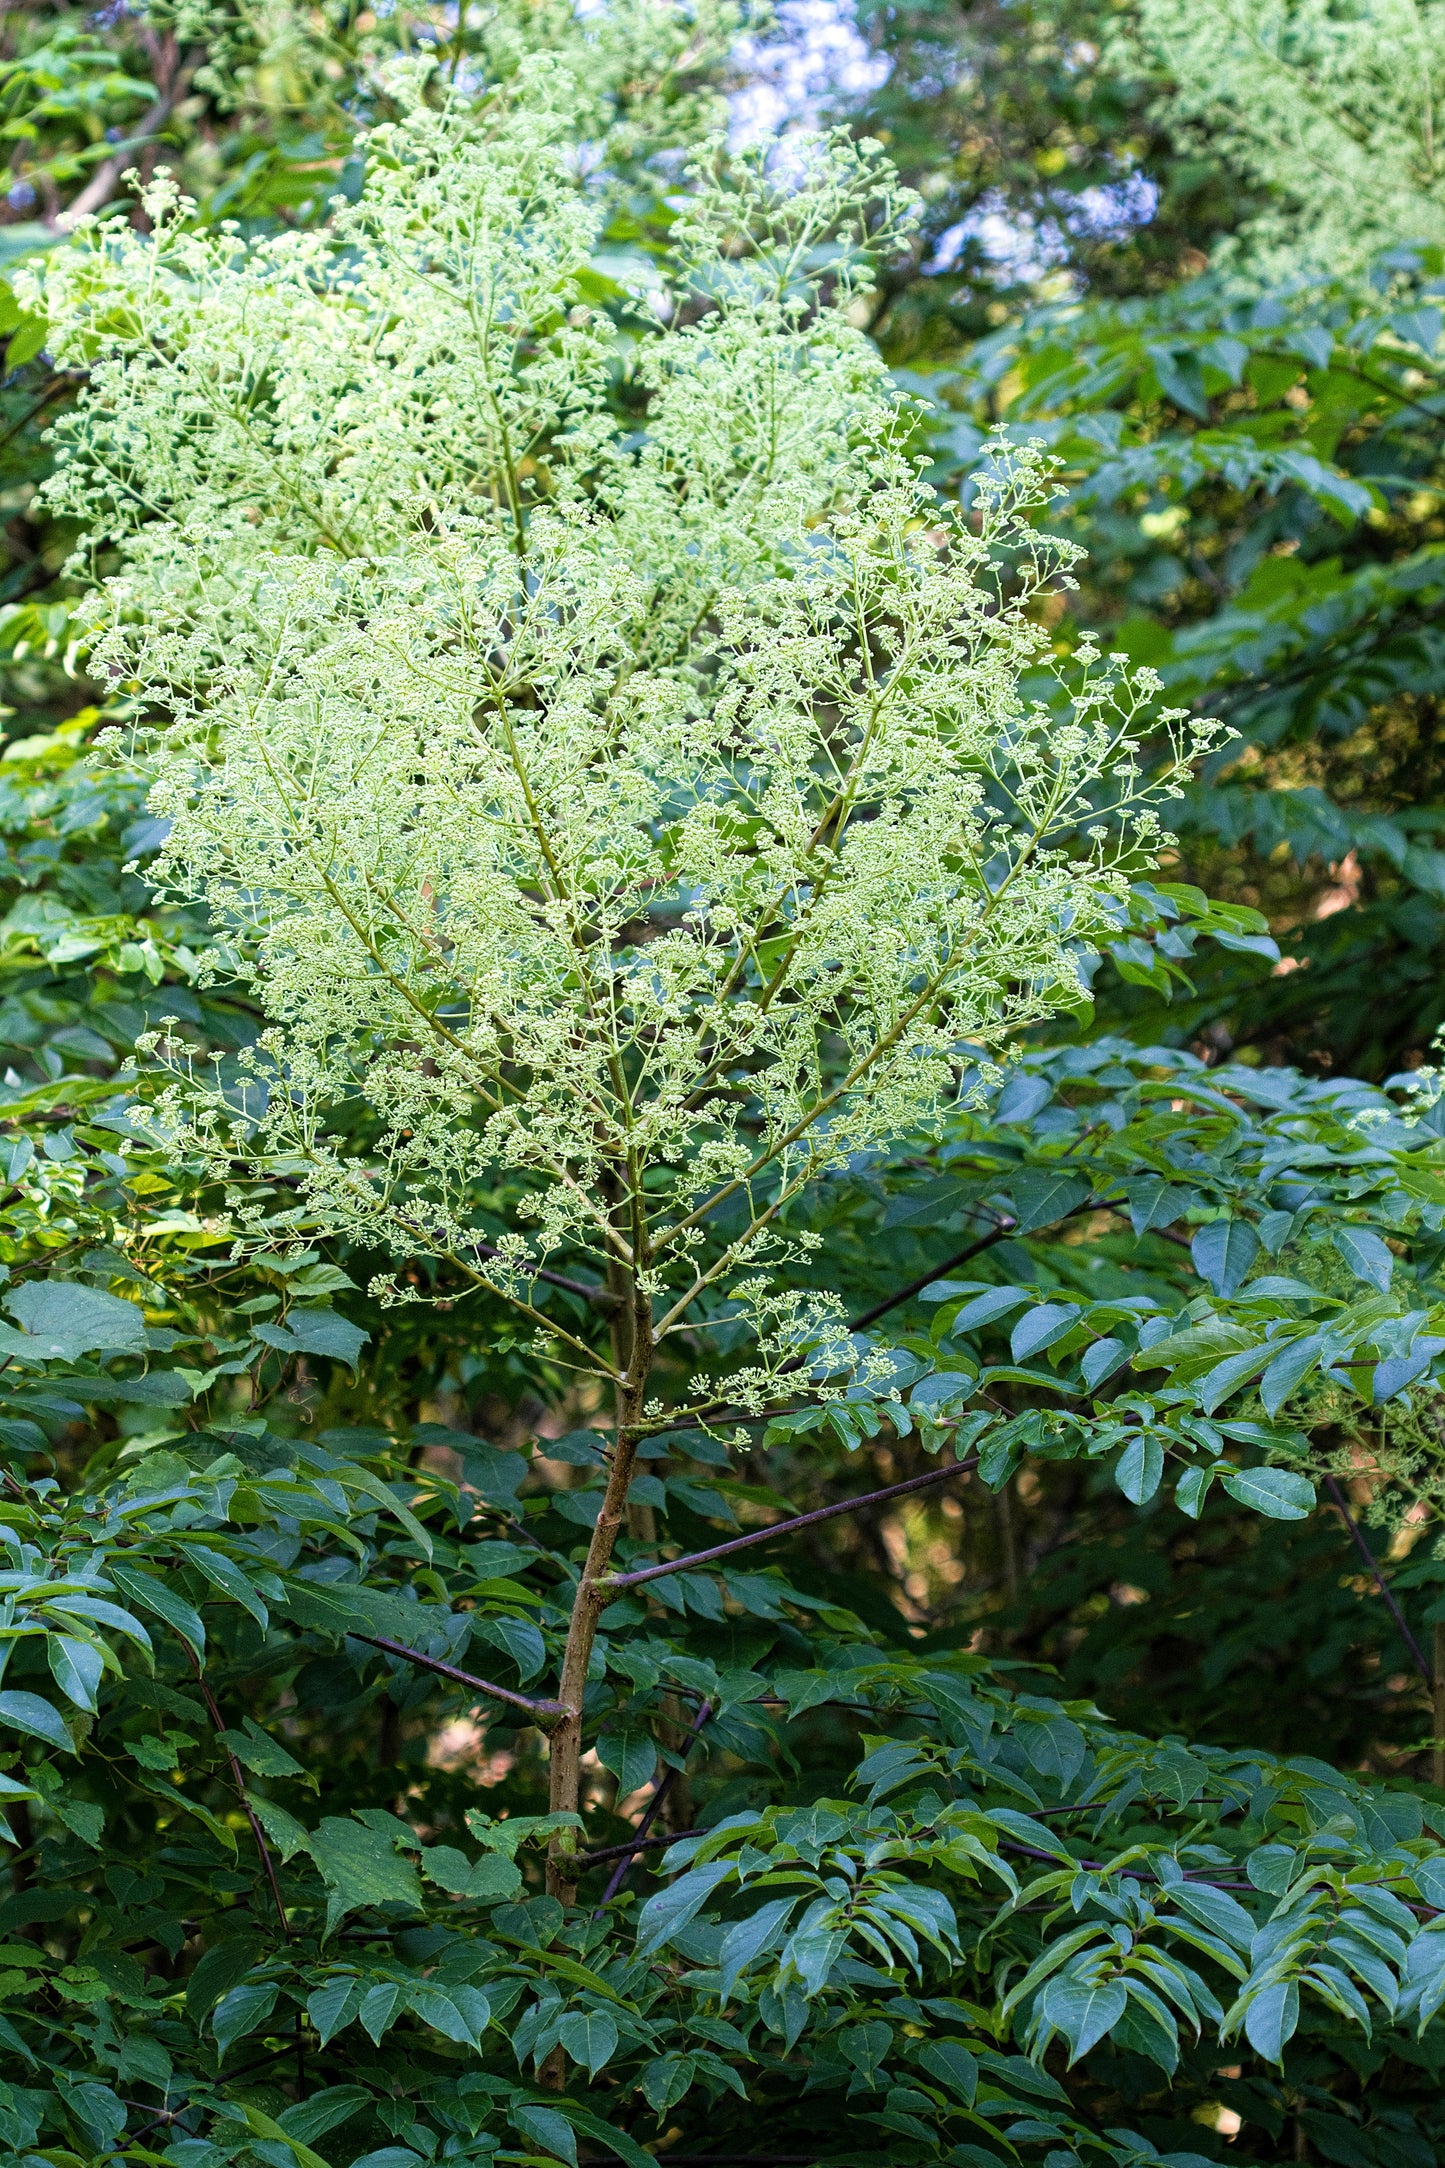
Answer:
(614, 769)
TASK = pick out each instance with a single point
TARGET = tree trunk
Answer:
(632, 1348)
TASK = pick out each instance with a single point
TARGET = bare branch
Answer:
(1357, 1537)
(238, 1779)
(659, 1792)
(539, 1711)
(791, 1527)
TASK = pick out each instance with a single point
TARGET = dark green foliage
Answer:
(1254, 482)
(216, 1659)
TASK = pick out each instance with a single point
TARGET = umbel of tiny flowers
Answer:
(637, 823)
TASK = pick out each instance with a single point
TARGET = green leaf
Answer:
(590, 2038)
(457, 2013)
(519, 1639)
(1398, 1372)
(487, 1879)
(1140, 1467)
(626, 2149)
(323, 2111)
(1215, 1909)
(631, 1756)
(255, 1751)
(666, 2080)
(66, 1319)
(747, 1940)
(666, 1914)
(381, 2006)
(1083, 2011)
(26, 343)
(1226, 1377)
(952, 2064)
(28, 1713)
(1040, 1199)
(1289, 1368)
(1040, 1328)
(157, 1389)
(1367, 1254)
(326, 1332)
(929, 1206)
(267, 2127)
(508, 1836)
(1223, 1251)
(331, 2008)
(1275, 1492)
(994, 1302)
(1101, 1360)
(84, 1817)
(241, 2011)
(287, 1834)
(866, 2046)
(1271, 2018)
(545, 2127)
(361, 1868)
(77, 1668)
(1192, 1489)
(218, 1970)
(223, 1573)
(1154, 1202)
(155, 1595)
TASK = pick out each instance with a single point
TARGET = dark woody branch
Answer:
(539, 1711)
(1372, 1564)
(718, 1410)
(791, 1527)
(951, 1264)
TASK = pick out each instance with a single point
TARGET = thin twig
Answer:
(65, 381)
(659, 1792)
(242, 1794)
(587, 1289)
(159, 2120)
(1357, 1537)
(533, 1707)
(638, 1844)
(719, 1409)
(934, 1272)
(985, 1242)
(790, 1527)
